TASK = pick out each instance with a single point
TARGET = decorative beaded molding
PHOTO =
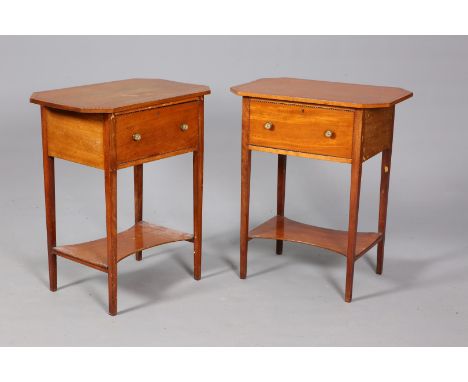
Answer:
(158, 106)
(304, 105)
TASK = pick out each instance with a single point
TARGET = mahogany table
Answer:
(321, 120)
(111, 126)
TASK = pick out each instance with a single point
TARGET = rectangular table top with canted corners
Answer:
(118, 96)
(323, 92)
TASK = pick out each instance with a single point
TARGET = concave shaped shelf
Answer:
(281, 228)
(141, 236)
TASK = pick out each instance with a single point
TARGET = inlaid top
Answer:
(323, 92)
(110, 97)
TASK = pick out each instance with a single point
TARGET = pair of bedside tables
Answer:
(127, 123)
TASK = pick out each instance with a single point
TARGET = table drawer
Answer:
(149, 133)
(304, 128)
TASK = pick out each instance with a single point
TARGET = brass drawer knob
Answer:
(268, 125)
(136, 137)
(328, 133)
(184, 127)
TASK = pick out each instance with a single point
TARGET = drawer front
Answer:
(154, 132)
(303, 128)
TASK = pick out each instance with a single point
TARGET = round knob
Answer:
(268, 125)
(136, 137)
(328, 133)
(184, 127)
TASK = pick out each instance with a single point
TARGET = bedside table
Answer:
(331, 121)
(111, 126)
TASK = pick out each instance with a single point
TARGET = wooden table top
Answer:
(118, 96)
(323, 92)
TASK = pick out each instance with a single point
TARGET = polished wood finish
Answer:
(118, 96)
(281, 228)
(154, 158)
(281, 195)
(355, 191)
(141, 236)
(75, 137)
(301, 128)
(112, 126)
(377, 131)
(384, 186)
(198, 194)
(79, 137)
(49, 193)
(159, 130)
(246, 158)
(323, 92)
(110, 178)
(321, 120)
(298, 154)
(138, 199)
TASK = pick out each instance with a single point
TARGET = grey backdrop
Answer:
(296, 299)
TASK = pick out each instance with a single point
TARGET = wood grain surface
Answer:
(323, 92)
(49, 193)
(281, 228)
(75, 137)
(377, 131)
(246, 161)
(159, 129)
(141, 236)
(301, 128)
(117, 96)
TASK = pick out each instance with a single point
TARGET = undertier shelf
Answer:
(141, 236)
(281, 228)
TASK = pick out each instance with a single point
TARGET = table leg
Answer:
(111, 226)
(356, 171)
(355, 191)
(49, 193)
(246, 158)
(384, 186)
(281, 195)
(49, 188)
(197, 212)
(198, 193)
(245, 196)
(138, 198)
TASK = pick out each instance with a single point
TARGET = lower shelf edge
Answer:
(141, 236)
(281, 228)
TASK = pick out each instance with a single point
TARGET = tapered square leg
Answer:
(111, 228)
(281, 195)
(110, 180)
(49, 183)
(138, 198)
(352, 228)
(245, 199)
(197, 212)
(246, 158)
(49, 194)
(198, 195)
(355, 191)
(384, 187)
